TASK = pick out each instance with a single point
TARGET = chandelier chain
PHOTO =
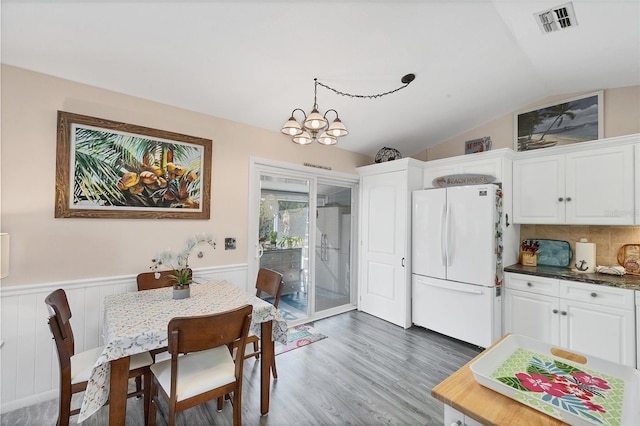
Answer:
(379, 95)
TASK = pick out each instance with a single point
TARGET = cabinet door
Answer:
(601, 331)
(538, 190)
(599, 186)
(432, 172)
(532, 315)
(384, 287)
(637, 184)
(491, 167)
(454, 417)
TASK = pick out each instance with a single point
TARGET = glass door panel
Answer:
(284, 237)
(332, 283)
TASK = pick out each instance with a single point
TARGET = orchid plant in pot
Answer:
(179, 263)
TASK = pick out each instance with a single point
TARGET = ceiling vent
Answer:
(557, 18)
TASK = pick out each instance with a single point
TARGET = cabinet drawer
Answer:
(533, 284)
(597, 294)
(292, 287)
(270, 258)
(290, 275)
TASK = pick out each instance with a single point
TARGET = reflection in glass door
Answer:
(332, 283)
(284, 237)
(302, 223)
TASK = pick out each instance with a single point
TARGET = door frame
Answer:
(259, 165)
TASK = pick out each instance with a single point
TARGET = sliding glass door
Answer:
(303, 223)
(284, 238)
(332, 278)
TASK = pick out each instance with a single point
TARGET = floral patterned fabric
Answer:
(137, 322)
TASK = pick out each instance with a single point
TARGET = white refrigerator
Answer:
(333, 233)
(456, 261)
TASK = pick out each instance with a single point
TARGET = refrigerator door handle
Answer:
(449, 239)
(443, 236)
(447, 231)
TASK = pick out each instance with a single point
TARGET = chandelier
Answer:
(315, 127)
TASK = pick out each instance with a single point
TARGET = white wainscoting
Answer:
(29, 370)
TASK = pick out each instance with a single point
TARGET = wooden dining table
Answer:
(137, 322)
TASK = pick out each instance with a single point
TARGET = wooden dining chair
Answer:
(148, 280)
(270, 282)
(202, 367)
(76, 368)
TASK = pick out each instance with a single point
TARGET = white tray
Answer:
(593, 392)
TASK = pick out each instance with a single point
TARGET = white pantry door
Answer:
(385, 237)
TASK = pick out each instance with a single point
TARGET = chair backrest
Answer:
(148, 280)
(270, 282)
(60, 326)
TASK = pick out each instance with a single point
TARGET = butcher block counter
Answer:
(462, 392)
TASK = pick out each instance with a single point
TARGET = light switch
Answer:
(230, 243)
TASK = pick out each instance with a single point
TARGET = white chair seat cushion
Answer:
(198, 372)
(82, 363)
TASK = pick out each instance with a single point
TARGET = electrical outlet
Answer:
(230, 243)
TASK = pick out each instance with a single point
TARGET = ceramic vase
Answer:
(181, 292)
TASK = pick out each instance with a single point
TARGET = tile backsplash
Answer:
(608, 239)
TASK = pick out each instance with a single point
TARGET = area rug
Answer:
(298, 336)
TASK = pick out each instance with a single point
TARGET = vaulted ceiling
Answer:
(254, 61)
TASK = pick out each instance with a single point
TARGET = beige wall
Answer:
(621, 117)
(45, 249)
(608, 239)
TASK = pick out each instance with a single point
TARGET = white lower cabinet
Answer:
(453, 417)
(589, 318)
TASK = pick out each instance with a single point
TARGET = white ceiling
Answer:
(254, 61)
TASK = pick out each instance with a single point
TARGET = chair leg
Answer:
(273, 367)
(220, 403)
(153, 403)
(138, 384)
(147, 396)
(237, 407)
(256, 349)
(64, 411)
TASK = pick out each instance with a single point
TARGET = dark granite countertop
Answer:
(628, 281)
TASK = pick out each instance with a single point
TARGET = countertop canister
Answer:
(585, 256)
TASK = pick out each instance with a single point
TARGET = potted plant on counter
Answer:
(289, 241)
(179, 263)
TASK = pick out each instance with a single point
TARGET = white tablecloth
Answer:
(137, 322)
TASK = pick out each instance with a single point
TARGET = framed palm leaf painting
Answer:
(109, 169)
(574, 120)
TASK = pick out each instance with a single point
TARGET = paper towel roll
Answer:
(585, 257)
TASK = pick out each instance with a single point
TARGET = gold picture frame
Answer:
(109, 169)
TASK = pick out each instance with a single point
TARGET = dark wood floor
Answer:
(367, 372)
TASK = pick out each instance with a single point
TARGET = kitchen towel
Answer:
(585, 257)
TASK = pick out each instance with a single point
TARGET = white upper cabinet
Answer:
(589, 187)
(493, 163)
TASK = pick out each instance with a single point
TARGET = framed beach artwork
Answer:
(574, 120)
(109, 169)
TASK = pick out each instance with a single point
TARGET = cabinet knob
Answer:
(568, 198)
(560, 199)
(563, 313)
(456, 423)
(594, 294)
(555, 311)
(529, 284)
